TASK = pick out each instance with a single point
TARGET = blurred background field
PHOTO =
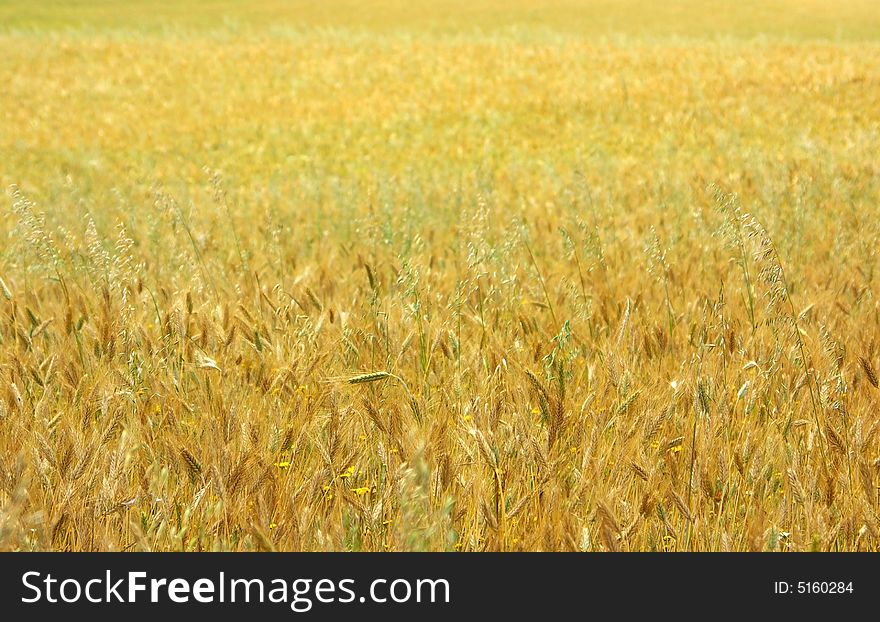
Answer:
(856, 20)
(221, 212)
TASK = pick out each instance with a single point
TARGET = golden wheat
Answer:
(613, 266)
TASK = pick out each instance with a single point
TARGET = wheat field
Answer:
(450, 276)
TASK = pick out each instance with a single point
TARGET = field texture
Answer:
(406, 275)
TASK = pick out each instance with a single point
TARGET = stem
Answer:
(807, 367)
(192, 241)
(543, 284)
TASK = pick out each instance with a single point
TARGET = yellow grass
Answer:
(439, 276)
